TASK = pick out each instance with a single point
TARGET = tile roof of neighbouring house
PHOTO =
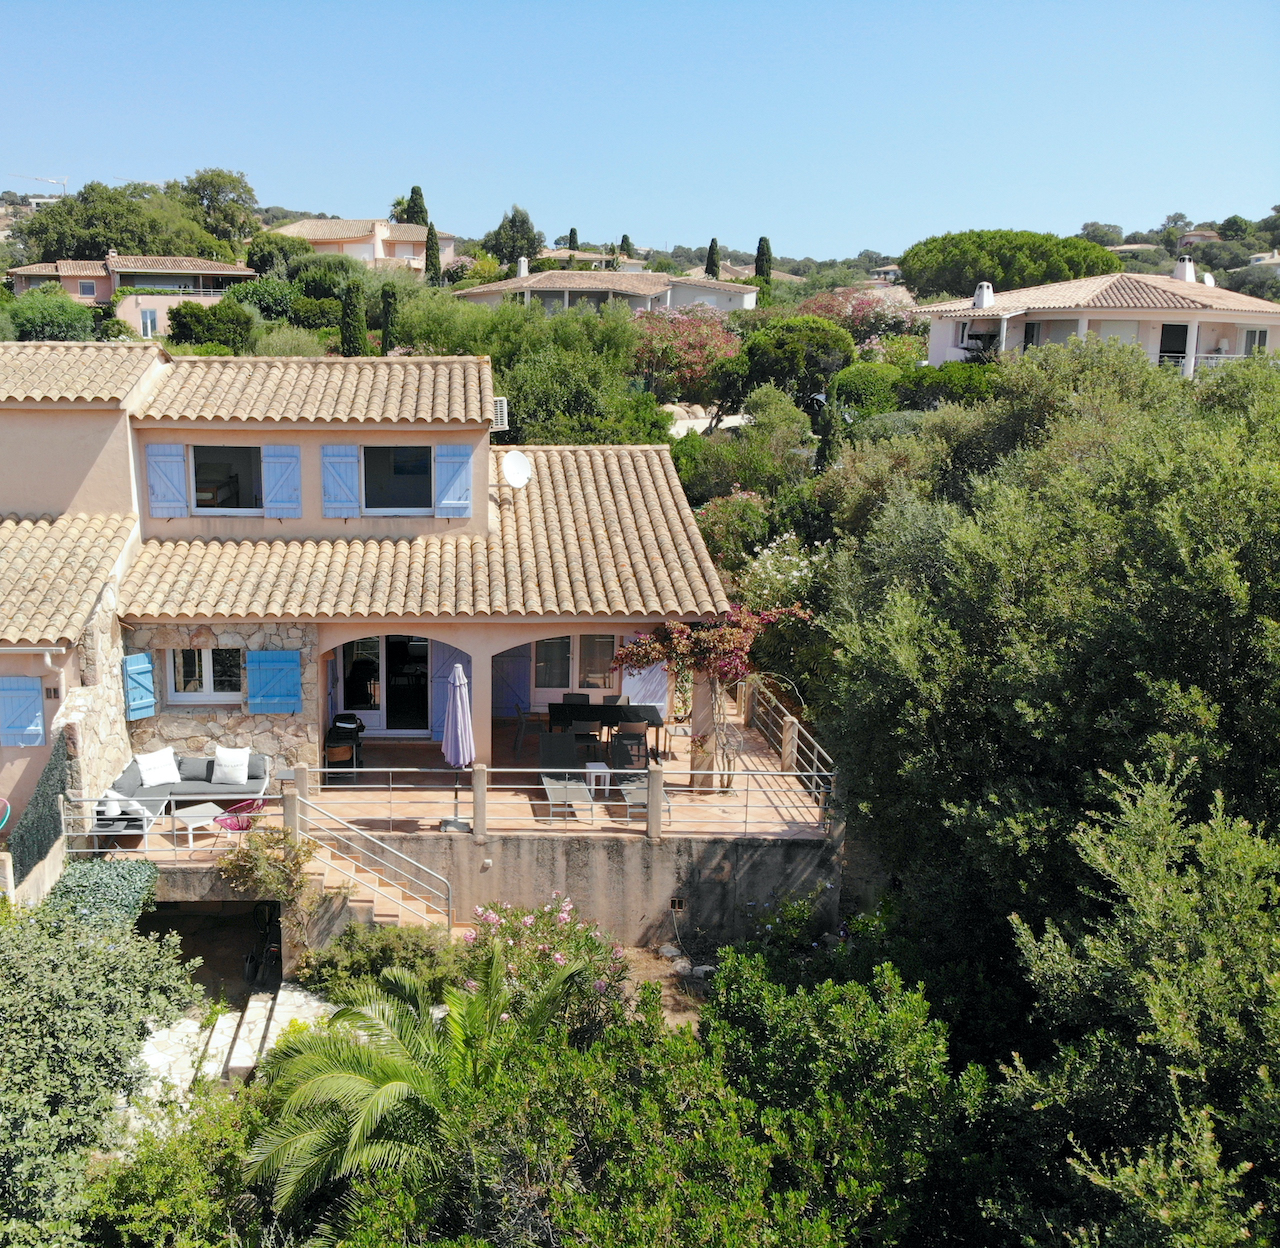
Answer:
(602, 280)
(329, 230)
(52, 571)
(73, 370)
(599, 530)
(132, 264)
(1111, 290)
(375, 388)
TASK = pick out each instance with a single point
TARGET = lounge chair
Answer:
(635, 792)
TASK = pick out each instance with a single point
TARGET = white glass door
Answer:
(361, 672)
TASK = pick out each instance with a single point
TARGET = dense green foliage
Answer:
(270, 254)
(226, 322)
(108, 890)
(1009, 259)
(77, 994)
(354, 327)
(40, 825)
(46, 313)
(764, 258)
(415, 209)
(272, 296)
(514, 237)
(711, 266)
(431, 261)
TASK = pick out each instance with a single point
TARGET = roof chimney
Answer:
(522, 266)
(112, 251)
(984, 296)
(1184, 270)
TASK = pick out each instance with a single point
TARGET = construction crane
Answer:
(26, 177)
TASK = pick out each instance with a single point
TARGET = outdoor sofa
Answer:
(144, 805)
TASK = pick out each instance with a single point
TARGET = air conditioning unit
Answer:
(499, 414)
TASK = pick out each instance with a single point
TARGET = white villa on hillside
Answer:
(1174, 319)
(379, 243)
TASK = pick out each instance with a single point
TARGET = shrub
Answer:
(225, 322)
(680, 348)
(113, 329)
(271, 253)
(734, 527)
(921, 389)
(7, 331)
(183, 1182)
(201, 348)
(867, 388)
(48, 314)
(355, 329)
(288, 340)
(308, 313)
(272, 862)
(325, 276)
(270, 295)
(112, 890)
(76, 1004)
(362, 952)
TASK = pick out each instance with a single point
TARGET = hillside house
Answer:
(163, 282)
(379, 243)
(1176, 320)
(558, 289)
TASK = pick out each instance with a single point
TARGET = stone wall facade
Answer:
(92, 715)
(197, 728)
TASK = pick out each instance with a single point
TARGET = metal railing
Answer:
(795, 744)
(434, 891)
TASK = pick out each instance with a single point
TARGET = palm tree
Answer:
(387, 1083)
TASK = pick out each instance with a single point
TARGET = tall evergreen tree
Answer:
(712, 267)
(514, 237)
(625, 246)
(432, 267)
(764, 258)
(415, 211)
(355, 330)
(390, 307)
(573, 238)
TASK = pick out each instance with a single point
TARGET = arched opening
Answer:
(397, 683)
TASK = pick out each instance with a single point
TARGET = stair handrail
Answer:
(336, 863)
(384, 849)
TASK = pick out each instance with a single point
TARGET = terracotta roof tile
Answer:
(1111, 290)
(398, 388)
(598, 531)
(173, 264)
(73, 370)
(52, 571)
(601, 279)
(316, 231)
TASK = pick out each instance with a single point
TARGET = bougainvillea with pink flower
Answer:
(680, 348)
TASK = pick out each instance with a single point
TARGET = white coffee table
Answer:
(193, 818)
(599, 776)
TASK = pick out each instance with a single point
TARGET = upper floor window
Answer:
(397, 480)
(205, 675)
(89, 289)
(226, 478)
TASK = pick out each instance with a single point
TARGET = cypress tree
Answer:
(390, 306)
(415, 212)
(573, 238)
(432, 266)
(625, 246)
(712, 267)
(355, 330)
(764, 258)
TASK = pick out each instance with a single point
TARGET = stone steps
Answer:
(387, 903)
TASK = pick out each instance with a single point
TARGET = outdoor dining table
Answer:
(561, 716)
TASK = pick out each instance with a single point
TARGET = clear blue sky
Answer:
(828, 126)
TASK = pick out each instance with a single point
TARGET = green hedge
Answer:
(107, 889)
(38, 829)
(867, 387)
(922, 389)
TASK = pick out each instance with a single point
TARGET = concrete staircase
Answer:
(372, 896)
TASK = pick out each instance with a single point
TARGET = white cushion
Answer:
(158, 767)
(231, 767)
(123, 805)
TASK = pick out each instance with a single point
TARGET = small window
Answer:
(89, 289)
(595, 661)
(227, 478)
(962, 331)
(397, 480)
(205, 675)
(1031, 334)
(148, 316)
(1255, 340)
(551, 663)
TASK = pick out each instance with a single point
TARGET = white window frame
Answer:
(191, 482)
(397, 511)
(1260, 331)
(149, 320)
(962, 332)
(92, 292)
(543, 694)
(207, 695)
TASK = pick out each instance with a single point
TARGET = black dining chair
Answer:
(618, 699)
(587, 732)
(576, 699)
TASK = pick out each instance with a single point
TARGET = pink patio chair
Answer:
(239, 818)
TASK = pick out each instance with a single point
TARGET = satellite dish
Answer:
(517, 469)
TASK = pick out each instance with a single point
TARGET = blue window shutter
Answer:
(167, 479)
(275, 682)
(341, 480)
(453, 481)
(282, 482)
(21, 710)
(139, 686)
